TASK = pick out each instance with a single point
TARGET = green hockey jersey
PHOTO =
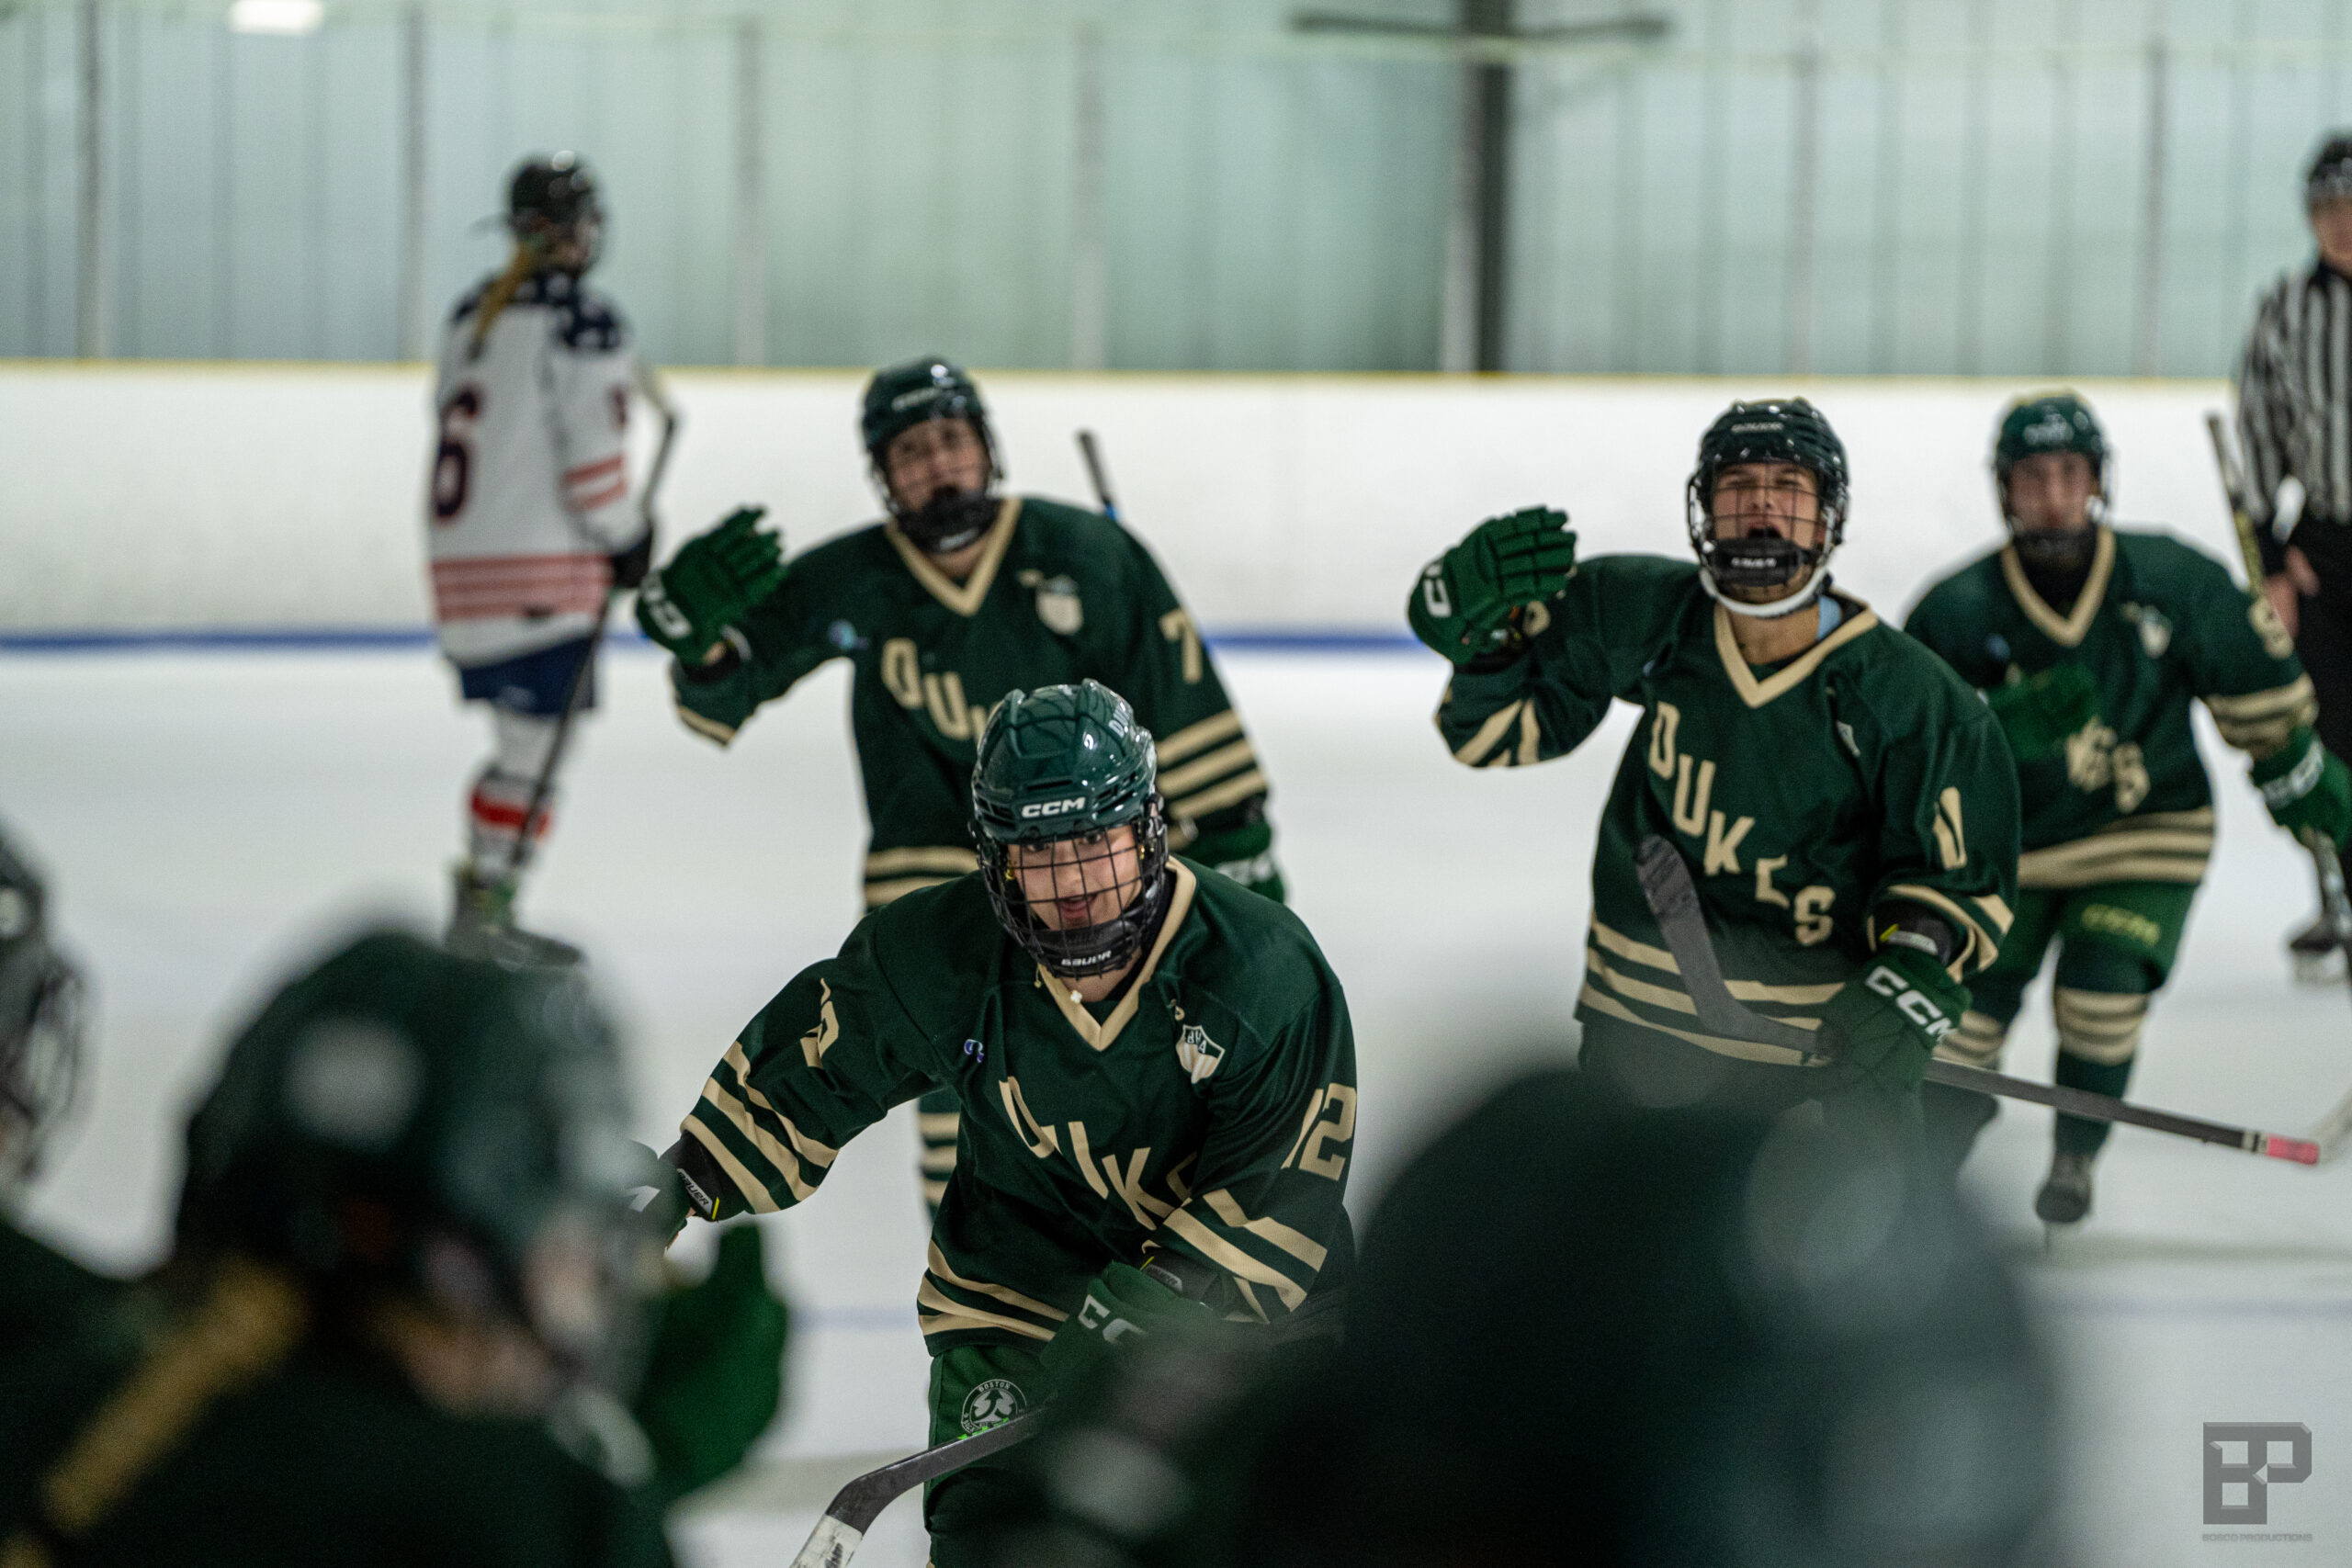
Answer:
(1058, 594)
(1210, 1112)
(1805, 797)
(2157, 624)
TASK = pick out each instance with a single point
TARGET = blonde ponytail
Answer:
(501, 293)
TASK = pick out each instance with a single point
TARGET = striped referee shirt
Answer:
(2295, 400)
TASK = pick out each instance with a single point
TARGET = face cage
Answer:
(1082, 951)
(2101, 507)
(1716, 575)
(541, 235)
(39, 1078)
(944, 523)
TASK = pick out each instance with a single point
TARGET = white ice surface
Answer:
(207, 819)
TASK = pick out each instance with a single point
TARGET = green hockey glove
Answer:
(2039, 712)
(1468, 601)
(1121, 1302)
(2307, 788)
(716, 576)
(1246, 855)
(1884, 1024)
(716, 1374)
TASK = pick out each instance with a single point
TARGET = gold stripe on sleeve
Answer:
(710, 727)
(815, 1152)
(746, 1185)
(1996, 911)
(1297, 1243)
(781, 1158)
(1984, 947)
(1233, 1260)
(1193, 738)
(2133, 868)
(1218, 796)
(1201, 770)
(2296, 698)
(1649, 957)
(952, 859)
(1490, 734)
(1745, 1050)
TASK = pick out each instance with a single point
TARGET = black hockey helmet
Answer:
(1783, 1346)
(1775, 430)
(40, 1023)
(2329, 177)
(552, 199)
(404, 1120)
(1067, 764)
(902, 396)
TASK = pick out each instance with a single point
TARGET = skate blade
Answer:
(2319, 969)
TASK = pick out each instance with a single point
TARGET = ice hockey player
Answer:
(1155, 1066)
(407, 1296)
(1847, 804)
(1732, 1389)
(530, 520)
(2090, 642)
(40, 1063)
(959, 597)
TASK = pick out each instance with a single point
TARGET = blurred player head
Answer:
(2327, 198)
(2050, 471)
(1066, 816)
(926, 434)
(554, 213)
(436, 1149)
(1767, 506)
(41, 1024)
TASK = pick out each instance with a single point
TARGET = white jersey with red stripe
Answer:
(529, 491)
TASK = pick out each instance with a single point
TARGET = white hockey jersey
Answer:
(529, 489)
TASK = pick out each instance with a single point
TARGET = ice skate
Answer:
(2318, 957)
(2065, 1195)
(481, 925)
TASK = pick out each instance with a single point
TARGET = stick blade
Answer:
(831, 1545)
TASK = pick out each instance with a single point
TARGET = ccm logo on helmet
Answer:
(1054, 808)
(1913, 1006)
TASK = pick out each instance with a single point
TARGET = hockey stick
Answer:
(518, 860)
(1674, 902)
(856, 1506)
(1094, 470)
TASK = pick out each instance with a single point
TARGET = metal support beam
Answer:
(750, 302)
(90, 235)
(1090, 281)
(410, 306)
(2148, 325)
(1804, 181)
(1477, 238)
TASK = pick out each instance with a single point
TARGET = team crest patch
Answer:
(1058, 607)
(1196, 1052)
(992, 1403)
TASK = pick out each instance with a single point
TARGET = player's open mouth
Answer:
(1075, 911)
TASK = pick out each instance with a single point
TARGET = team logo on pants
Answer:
(992, 1403)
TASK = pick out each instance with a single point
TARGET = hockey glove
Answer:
(1884, 1024)
(716, 1372)
(2039, 712)
(1467, 603)
(2307, 788)
(714, 579)
(1246, 855)
(1121, 1302)
(629, 566)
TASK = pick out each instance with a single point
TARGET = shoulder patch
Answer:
(1197, 1054)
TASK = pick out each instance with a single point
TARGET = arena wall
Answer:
(261, 499)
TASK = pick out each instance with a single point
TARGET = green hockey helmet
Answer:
(2035, 425)
(40, 1023)
(398, 1118)
(1060, 768)
(1775, 430)
(903, 396)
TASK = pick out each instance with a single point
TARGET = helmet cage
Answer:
(1074, 952)
(1771, 562)
(945, 523)
(40, 1058)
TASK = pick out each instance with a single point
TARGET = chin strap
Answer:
(1771, 610)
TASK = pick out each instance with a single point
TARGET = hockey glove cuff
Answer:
(1121, 1302)
(1884, 1023)
(2039, 712)
(710, 583)
(2307, 788)
(716, 1372)
(1467, 604)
